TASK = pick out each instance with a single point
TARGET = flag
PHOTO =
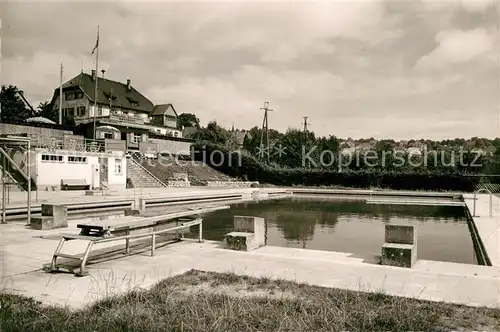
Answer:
(96, 43)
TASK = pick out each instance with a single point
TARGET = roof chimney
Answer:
(103, 71)
(93, 74)
(128, 84)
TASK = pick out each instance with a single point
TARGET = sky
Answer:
(360, 69)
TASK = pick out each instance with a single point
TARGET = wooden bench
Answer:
(111, 230)
(74, 184)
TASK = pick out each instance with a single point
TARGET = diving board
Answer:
(106, 231)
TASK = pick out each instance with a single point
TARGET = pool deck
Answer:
(487, 227)
(23, 253)
(19, 199)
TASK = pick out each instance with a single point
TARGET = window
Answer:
(52, 158)
(108, 135)
(68, 112)
(70, 95)
(109, 96)
(176, 134)
(79, 160)
(78, 94)
(136, 138)
(80, 111)
(133, 102)
(118, 166)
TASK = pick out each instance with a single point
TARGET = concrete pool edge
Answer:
(367, 192)
(479, 248)
(428, 280)
(486, 227)
(484, 231)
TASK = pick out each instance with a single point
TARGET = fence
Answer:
(68, 142)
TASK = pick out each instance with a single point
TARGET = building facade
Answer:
(98, 170)
(122, 112)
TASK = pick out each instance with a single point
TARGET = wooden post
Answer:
(127, 243)
(200, 232)
(153, 244)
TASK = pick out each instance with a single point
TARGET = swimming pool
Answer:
(351, 226)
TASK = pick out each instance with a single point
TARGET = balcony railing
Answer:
(127, 119)
(120, 117)
(68, 143)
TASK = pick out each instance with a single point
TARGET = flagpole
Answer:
(96, 70)
(60, 95)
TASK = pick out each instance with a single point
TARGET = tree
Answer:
(46, 110)
(12, 104)
(296, 141)
(384, 145)
(212, 133)
(188, 120)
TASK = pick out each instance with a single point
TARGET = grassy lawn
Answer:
(201, 301)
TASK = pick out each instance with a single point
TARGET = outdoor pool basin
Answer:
(332, 224)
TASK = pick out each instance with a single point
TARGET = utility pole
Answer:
(305, 135)
(264, 136)
(305, 124)
(96, 51)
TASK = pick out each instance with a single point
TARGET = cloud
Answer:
(349, 66)
(468, 5)
(455, 46)
(39, 75)
(236, 98)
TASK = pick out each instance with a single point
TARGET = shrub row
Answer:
(247, 167)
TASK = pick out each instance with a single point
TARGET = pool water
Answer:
(351, 227)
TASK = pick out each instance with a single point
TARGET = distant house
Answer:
(349, 143)
(365, 146)
(414, 151)
(403, 144)
(239, 136)
(347, 151)
(484, 152)
(165, 116)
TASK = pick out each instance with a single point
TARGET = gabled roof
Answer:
(164, 109)
(239, 136)
(120, 95)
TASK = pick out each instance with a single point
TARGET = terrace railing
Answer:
(73, 143)
(475, 199)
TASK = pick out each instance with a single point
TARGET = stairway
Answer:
(198, 172)
(141, 178)
(14, 186)
(16, 170)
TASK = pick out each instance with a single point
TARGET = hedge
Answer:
(241, 165)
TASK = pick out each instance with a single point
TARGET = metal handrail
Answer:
(491, 201)
(135, 162)
(13, 164)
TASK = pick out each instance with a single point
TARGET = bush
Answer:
(241, 165)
